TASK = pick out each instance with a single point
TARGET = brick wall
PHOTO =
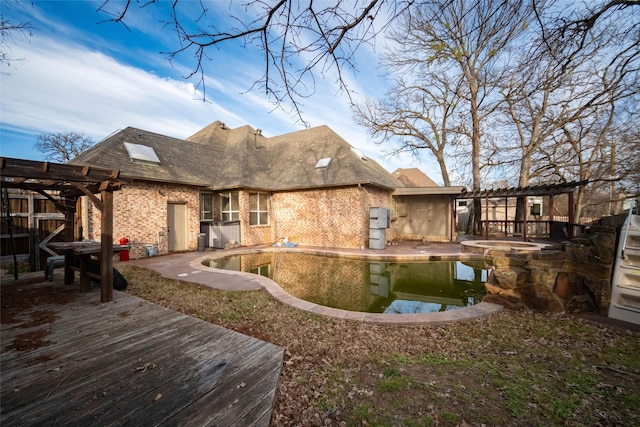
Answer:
(336, 217)
(253, 234)
(140, 214)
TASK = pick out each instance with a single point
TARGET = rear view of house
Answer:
(309, 186)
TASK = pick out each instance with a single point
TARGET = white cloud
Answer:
(62, 86)
(68, 88)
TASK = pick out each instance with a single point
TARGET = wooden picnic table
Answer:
(78, 256)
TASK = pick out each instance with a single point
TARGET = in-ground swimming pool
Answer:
(367, 286)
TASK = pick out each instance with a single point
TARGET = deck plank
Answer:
(92, 370)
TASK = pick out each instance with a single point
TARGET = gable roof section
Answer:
(293, 158)
(224, 158)
(288, 162)
(413, 177)
(239, 163)
(180, 161)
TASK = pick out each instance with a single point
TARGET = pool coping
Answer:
(481, 309)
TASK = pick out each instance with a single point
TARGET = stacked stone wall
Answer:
(573, 277)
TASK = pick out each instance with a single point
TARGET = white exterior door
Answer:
(176, 227)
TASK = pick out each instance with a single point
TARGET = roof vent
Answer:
(141, 153)
(323, 163)
(359, 153)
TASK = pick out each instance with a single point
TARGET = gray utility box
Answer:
(379, 218)
(221, 232)
(377, 239)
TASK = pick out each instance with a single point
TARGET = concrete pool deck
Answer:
(188, 267)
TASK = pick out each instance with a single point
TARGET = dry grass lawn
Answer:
(513, 368)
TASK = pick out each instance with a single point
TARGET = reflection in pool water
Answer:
(367, 286)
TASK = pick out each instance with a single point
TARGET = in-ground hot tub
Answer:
(487, 246)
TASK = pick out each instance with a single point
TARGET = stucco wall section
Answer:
(140, 214)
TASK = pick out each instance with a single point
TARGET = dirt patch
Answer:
(41, 317)
(31, 340)
(20, 306)
(44, 358)
(17, 299)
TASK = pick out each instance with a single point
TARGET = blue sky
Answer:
(78, 73)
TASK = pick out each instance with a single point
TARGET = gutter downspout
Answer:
(365, 216)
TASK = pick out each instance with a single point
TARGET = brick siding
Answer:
(336, 217)
(140, 215)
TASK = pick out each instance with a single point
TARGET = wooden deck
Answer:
(69, 359)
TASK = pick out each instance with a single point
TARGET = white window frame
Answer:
(233, 213)
(257, 213)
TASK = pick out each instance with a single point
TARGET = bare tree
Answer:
(417, 117)
(62, 146)
(299, 39)
(589, 143)
(568, 32)
(626, 164)
(8, 30)
(457, 50)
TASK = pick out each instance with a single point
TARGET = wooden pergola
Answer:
(546, 190)
(71, 182)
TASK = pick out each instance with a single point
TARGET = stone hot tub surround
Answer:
(575, 276)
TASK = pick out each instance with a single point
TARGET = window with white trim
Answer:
(230, 206)
(258, 209)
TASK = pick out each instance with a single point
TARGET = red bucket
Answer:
(124, 254)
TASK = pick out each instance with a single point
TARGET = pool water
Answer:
(367, 286)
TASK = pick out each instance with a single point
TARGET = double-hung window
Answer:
(230, 206)
(258, 209)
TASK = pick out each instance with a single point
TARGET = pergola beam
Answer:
(71, 182)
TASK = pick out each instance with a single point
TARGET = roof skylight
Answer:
(141, 153)
(323, 163)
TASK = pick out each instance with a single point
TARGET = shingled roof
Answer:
(180, 162)
(224, 158)
(413, 177)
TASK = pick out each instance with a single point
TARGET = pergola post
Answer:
(506, 217)
(570, 222)
(69, 215)
(106, 242)
(550, 221)
(524, 220)
(452, 219)
(486, 212)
